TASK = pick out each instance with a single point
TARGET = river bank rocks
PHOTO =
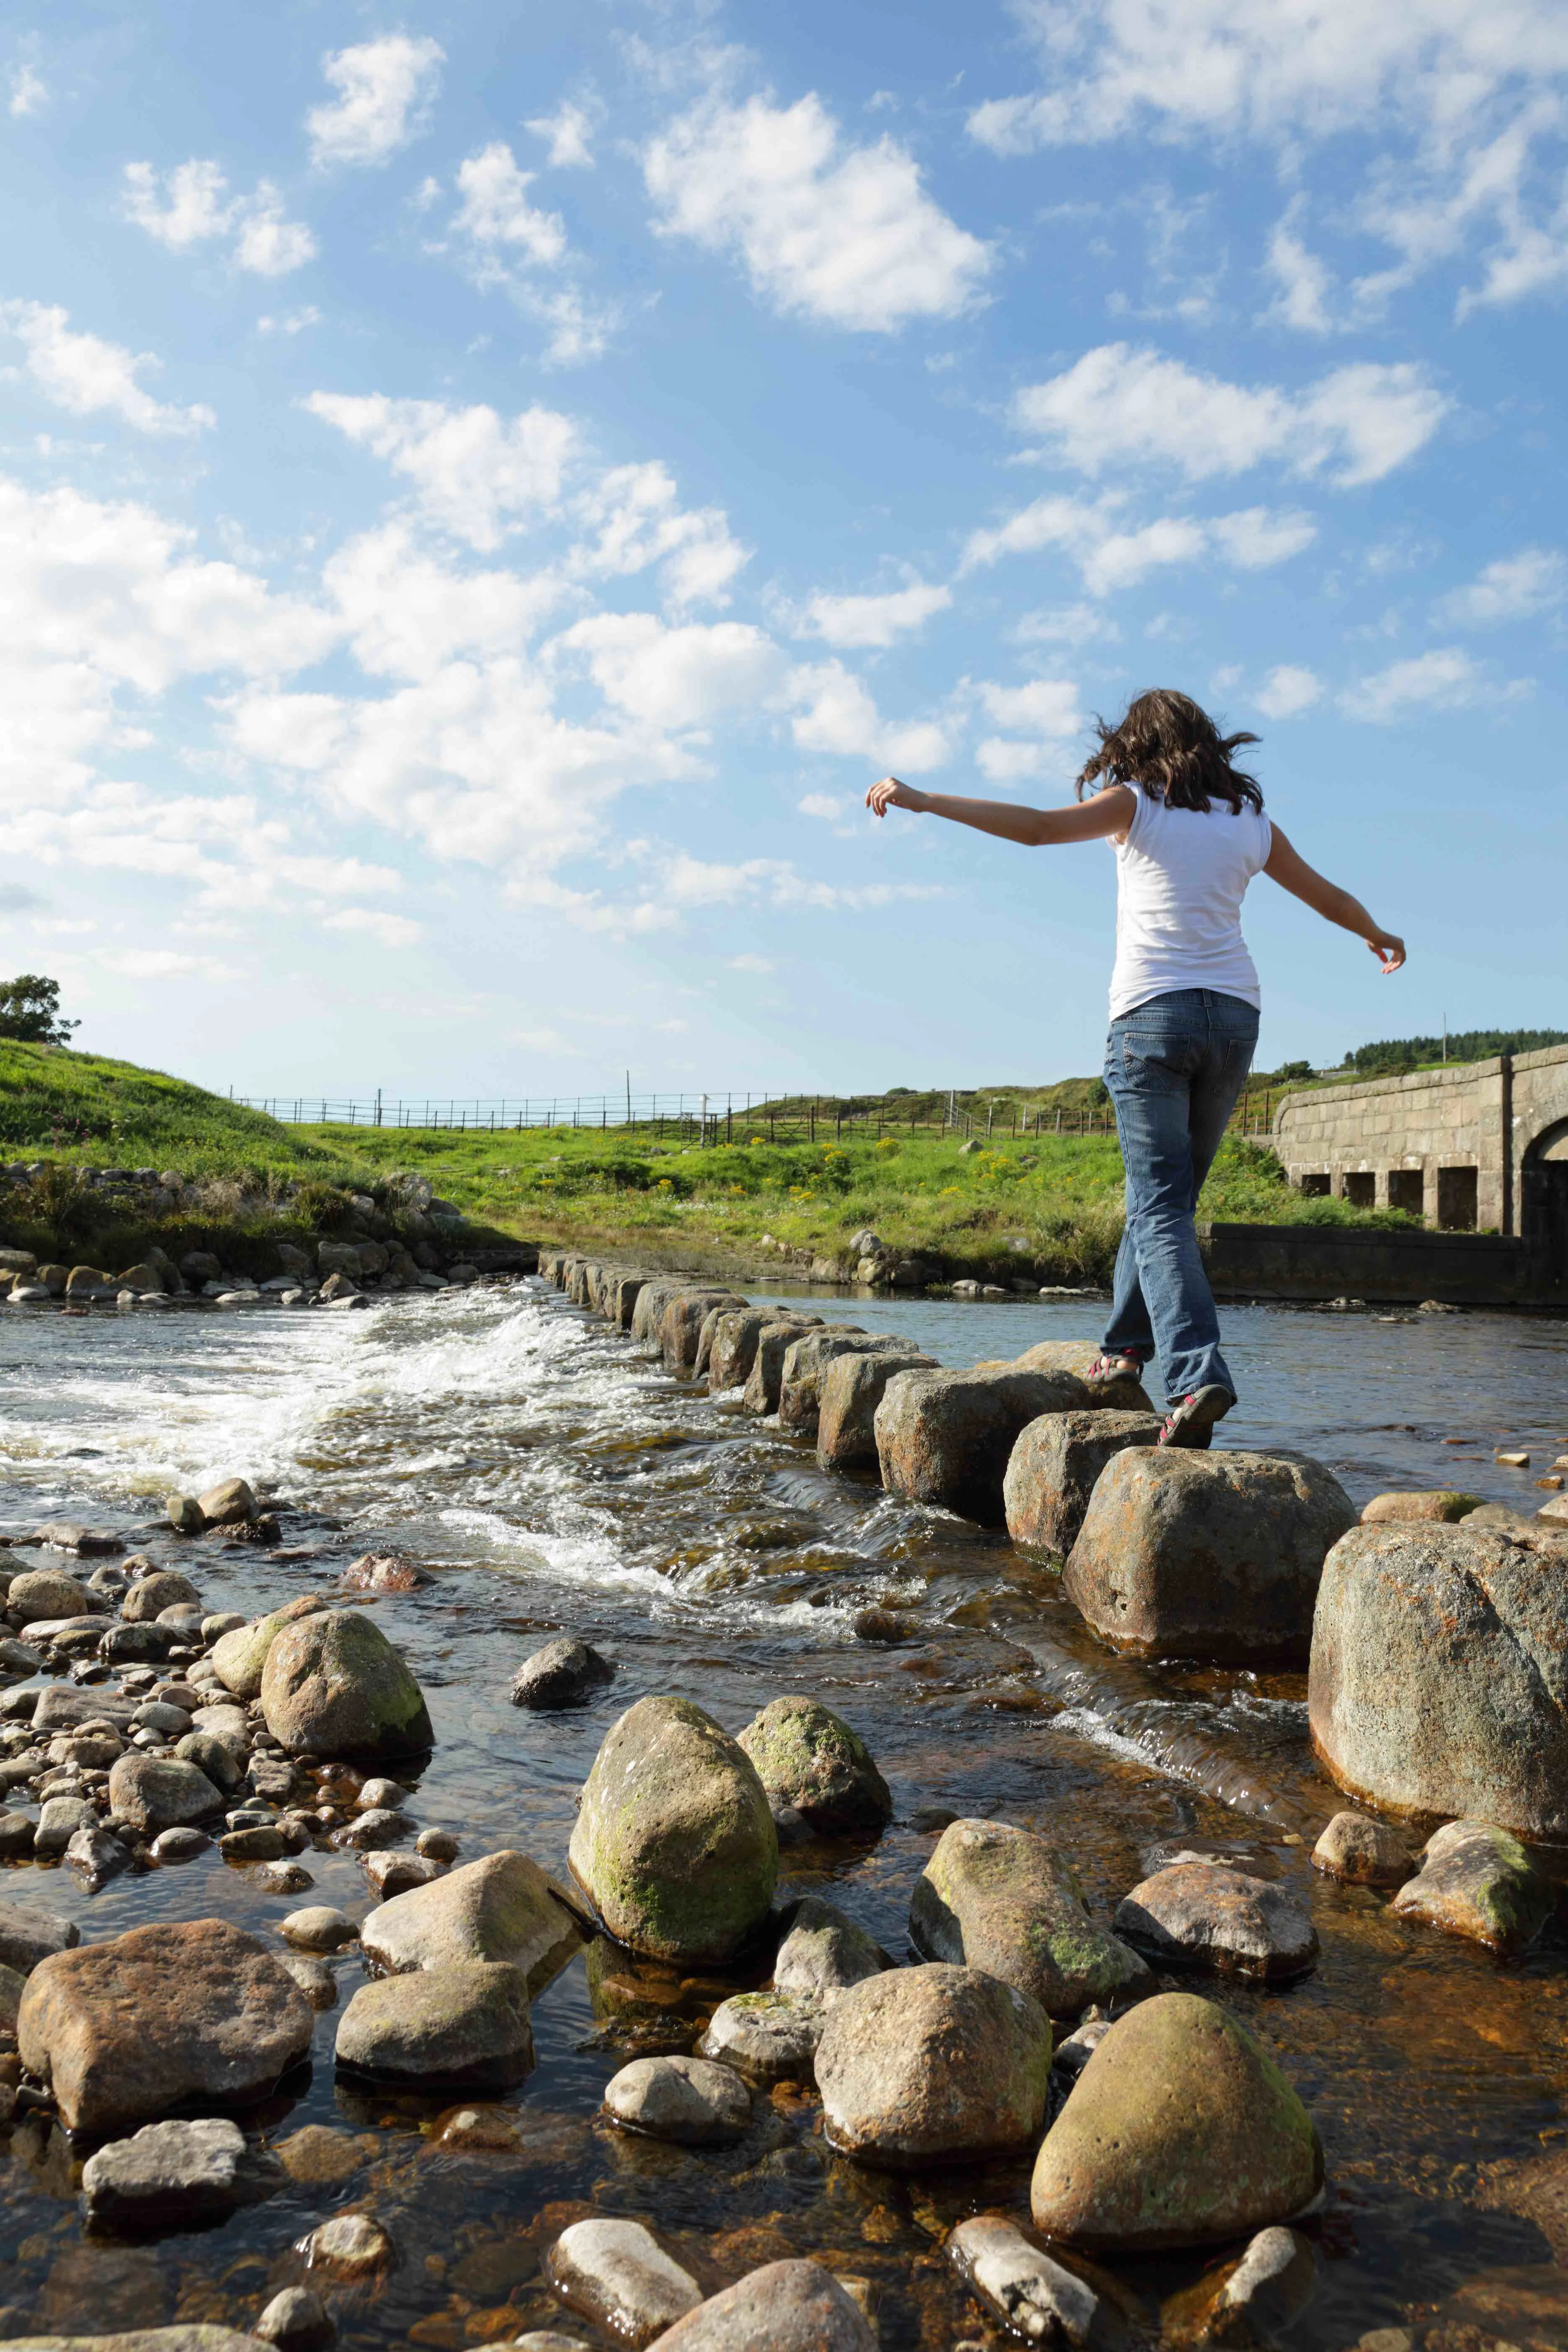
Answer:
(465, 2026)
(1184, 1554)
(693, 2100)
(175, 2175)
(768, 2037)
(1006, 1901)
(1476, 1880)
(502, 1908)
(809, 1760)
(334, 1685)
(1037, 2298)
(788, 2307)
(824, 1953)
(240, 1657)
(926, 2063)
(618, 2275)
(806, 1362)
(1053, 1469)
(1363, 1853)
(946, 1437)
(675, 1842)
(1181, 2131)
(764, 1381)
(123, 2030)
(1439, 1682)
(1207, 1916)
(564, 1673)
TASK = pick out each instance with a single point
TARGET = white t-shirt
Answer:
(1181, 876)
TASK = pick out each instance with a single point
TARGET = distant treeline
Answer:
(1462, 1046)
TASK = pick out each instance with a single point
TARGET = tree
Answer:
(30, 1011)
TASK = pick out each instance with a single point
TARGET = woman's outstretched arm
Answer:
(1326, 899)
(1109, 811)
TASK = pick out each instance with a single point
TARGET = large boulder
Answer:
(1007, 1900)
(1053, 1469)
(125, 2029)
(924, 2063)
(240, 1658)
(1477, 1880)
(334, 1685)
(674, 1840)
(1183, 1554)
(502, 1908)
(788, 2307)
(1126, 1393)
(733, 1348)
(161, 1793)
(807, 1360)
(462, 2026)
(808, 1758)
(764, 1381)
(680, 1325)
(651, 1301)
(1439, 1674)
(946, 1437)
(1181, 2131)
(848, 1393)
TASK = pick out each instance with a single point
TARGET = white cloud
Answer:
(1303, 282)
(748, 963)
(406, 613)
(828, 231)
(1514, 588)
(830, 808)
(1444, 679)
(567, 132)
(385, 88)
(1111, 558)
(476, 474)
(837, 716)
(391, 931)
(1004, 760)
(687, 882)
(1287, 691)
(295, 323)
(1045, 705)
(507, 241)
(1064, 624)
(632, 517)
(270, 244)
(166, 963)
(676, 678)
(191, 205)
(876, 620)
(83, 374)
(496, 211)
(29, 94)
(1118, 406)
(1254, 537)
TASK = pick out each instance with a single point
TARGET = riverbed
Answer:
(555, 1477)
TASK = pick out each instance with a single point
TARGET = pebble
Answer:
(285, 1877)
(395, 1873)
(616, 2273)
(255, 1842)
(351, 2245)
(380, 1826)
(98, 1857)
(381, 1795)
(771, 2037)
(318, 2158)
(693, 2101)
(1363, 1853)
(1037, 2298)
(438, 1846)
(318, 1928)
(296, 2321)
(59, 1818)
(179, 1845)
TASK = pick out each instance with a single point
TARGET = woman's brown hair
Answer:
(1170, 746)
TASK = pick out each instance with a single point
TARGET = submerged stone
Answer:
(1477, 1880)
(1005, 1900)
(769, 2037)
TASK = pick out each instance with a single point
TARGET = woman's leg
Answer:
(1129, 1332)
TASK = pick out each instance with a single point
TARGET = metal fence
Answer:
(728, 1117)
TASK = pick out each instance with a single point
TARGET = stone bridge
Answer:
(1474, 1147)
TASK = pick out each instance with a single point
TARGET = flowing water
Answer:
(555, 1476)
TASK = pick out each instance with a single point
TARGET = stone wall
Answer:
(1385, 1266)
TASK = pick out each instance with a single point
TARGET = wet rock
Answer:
(438, 1846)
(1477, 1880)
(825, 1953)
(946, 1436)
(141, 1644)
(350, 2246)
(282, 1877)
(97, 1857)
(1073, 2053)
(230, 1500)
(1053, 1469)
(1190, 1555)
(60, 1819)
(1255, 2300)
(41, 1593)
(258, 1842)
(1201, 1914)
(650, 1304)
(384, 1572)
(848, 1393)
(1363, 1853)
(156, 1715)
(764, 1381)
(173, 2174)
(732, 1347)
(29, 1932)
(318, 1928)
(927, 2063)
(502, 1908)
(166, 1589)
(563, 1673)
(680, 1325)
(219, 1760)
(693, 2100)
(769, 2037)
(398, 1873)
(126, 2029)
(316, 2157)
(674, 1839)
(465, 2026)
(1037, 2298)
(333, 1686)
(13, 1983)
(171, 1846)
(807, 1360)
(1181, 2132)
(1446, 1505)
(241, 1657)
(617, 2274)
(1075, 1357)
(161, 1793)
(1439, 1674)
(16, 1833)
(296, 2321)
(789, 2306)
(379, 1827)
(1007, 1901)
(807, 1757)
(69, 1534)
(184, 1514)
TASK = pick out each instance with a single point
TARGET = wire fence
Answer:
(715, 1117)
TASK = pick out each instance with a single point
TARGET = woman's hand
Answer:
(1389, 947)
(890, 793)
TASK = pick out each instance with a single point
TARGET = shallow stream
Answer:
(556, 1478)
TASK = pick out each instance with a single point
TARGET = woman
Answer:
(1189, 833)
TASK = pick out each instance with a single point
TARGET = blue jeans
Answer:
(1175, 1067)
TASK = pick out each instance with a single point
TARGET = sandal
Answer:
(1192, 1421)
(1118, 1365)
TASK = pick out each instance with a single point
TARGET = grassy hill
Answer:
(84, 1108)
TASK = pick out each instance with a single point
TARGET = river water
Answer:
(555, 1477)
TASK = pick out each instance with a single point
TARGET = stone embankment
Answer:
(332, 1273)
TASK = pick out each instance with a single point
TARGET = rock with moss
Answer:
(1007, 1900)
(334, 1685)
(809, 1758)
(1181, 2131)
(1477, 1880)
(240, 1658)
(675, 1840)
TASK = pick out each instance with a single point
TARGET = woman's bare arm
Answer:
(1326, 899)
(1109, 811)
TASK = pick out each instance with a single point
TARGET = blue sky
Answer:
(483, 490)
